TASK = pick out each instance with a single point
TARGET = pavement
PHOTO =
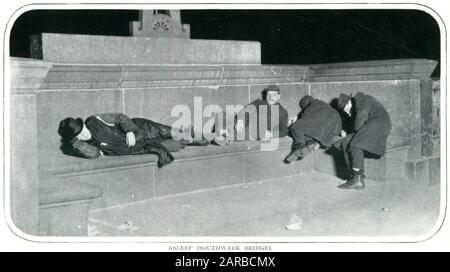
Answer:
(304, 205)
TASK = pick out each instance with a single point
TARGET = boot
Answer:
(356, 181)
(301, 151)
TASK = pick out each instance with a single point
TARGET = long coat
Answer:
(372, 125)
(319, 121)
(109, 134)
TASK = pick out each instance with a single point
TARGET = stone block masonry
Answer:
(88, 49)
(42, 93)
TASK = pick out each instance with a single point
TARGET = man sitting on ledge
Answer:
(262, 119)
(371, 127)
(116, 134)
(318, 124)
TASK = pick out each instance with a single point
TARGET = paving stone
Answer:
(265, 208)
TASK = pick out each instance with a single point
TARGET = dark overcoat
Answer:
(372, 124)
(109, 134)
(319, 121)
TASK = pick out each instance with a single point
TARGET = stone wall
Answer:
(90, 49)
(436, 116)
(26, 78)
(152, 92)
(44, 93)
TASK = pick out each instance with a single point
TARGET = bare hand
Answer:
(131, 139)
(292, 120)
(268, 135)
(240, 125)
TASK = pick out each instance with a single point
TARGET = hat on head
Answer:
(342, 101)
(305, 101)
(70, 127)
(273, 88)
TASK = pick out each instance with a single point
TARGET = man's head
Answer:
(345, 103)
(272, 94)
(305, 101)
(70, 128)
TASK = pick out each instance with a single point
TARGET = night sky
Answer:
(286, 36)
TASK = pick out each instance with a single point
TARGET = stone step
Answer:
(385, 169)
(63, 208)
(134, 183)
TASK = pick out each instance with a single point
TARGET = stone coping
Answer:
(38, 76)
(379, 69)
(27, 75)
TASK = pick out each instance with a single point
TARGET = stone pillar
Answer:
(422, 130)
(426, 117)
(436, 130)
(26, 77)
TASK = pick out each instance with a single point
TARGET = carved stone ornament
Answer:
(162, 23)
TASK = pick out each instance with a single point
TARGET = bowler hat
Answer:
(342, 101)
(70, 127)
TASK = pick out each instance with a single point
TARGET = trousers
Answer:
(354, 156)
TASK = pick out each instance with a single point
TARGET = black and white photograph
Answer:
(258, 126)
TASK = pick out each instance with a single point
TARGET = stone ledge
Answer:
(194, 168)
(27, 75)
(79, 76)
(142, 76)
(64, 165)
(374, 70)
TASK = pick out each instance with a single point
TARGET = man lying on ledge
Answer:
(116, 134)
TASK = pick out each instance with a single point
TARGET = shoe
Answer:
(202, 142)
(356, 181)
(295, 154)
(301, 151)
